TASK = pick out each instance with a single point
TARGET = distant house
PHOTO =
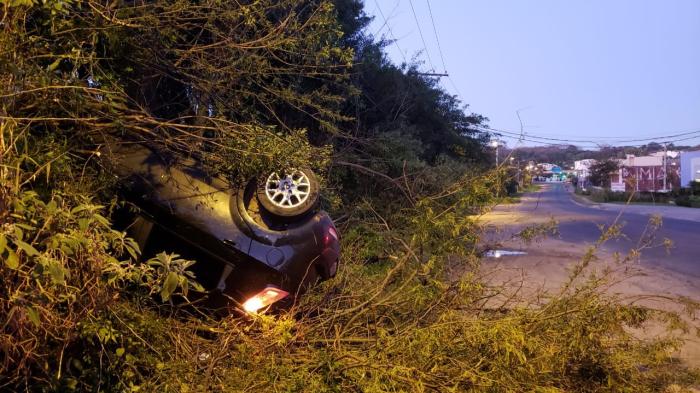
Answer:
(546, 167)
(652, 173)
(550, 172)
(672, 154)
(690, 167)
(582, 169)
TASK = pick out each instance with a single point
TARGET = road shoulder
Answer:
(547, 265)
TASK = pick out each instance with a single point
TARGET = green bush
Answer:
(603, 195)
(688, 200)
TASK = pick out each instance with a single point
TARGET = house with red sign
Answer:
(659, 172)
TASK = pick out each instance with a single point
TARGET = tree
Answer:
(601, 171)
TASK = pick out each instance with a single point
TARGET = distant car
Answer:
(256, 244)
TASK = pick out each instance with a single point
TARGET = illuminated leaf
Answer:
(12, 261)
(54, 65)
(27, 248)
(33, 316)
(57, 273)
(169, 286)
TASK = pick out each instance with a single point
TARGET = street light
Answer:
(494, 143)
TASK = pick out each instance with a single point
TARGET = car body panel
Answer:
(211, 215)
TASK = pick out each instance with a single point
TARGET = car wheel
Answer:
(289, 194)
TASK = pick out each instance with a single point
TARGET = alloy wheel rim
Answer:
(288, 191)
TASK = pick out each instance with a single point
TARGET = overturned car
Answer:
(256, 244)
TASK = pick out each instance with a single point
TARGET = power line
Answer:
(523, 138)
(683, 139)
(454, 86)
(391, 32)
(395, 41)
(415, 17)
(517, 134)
(442, 59)
(696, 134)
(598, 137)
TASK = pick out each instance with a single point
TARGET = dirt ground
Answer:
(546, 266)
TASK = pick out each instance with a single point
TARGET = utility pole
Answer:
(665, 164)
(494, 143)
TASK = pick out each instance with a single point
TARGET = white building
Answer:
(669, 154)
(545, 166)
(583, 167)
(583, 171)
(690, 167)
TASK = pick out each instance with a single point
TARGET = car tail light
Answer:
(263, 299)
(331, 236)
(332, 232)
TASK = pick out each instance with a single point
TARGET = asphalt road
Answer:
(579, 224)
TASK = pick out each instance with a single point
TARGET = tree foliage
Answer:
(601, 172)
(247, 78)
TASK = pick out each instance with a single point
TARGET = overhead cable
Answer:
(573, 141)
(437, 39)
(386, 22)
(420, 31)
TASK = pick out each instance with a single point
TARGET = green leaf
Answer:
(17, 3)
(57, 273)
(132, 248)
(25, 226)
(12, 261)
(83, 224)
(184, 285)
(197, 286)
(120, 352)
(66, 249)
(27, 248)
(19, 234)
(33, 316)
(79, 208)
(169, 286)
(54, 65)
(71, 383)
(3, 243)
(101, 220)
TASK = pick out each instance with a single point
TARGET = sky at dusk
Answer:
(600, 70)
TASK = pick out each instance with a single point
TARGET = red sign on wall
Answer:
(650, 178)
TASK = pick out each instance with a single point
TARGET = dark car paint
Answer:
(210, 214)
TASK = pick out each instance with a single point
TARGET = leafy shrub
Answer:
(511, 187)
(603, 195)
(404, 324)
(688, 200)
(57, 257)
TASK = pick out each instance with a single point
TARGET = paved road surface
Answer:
(578, 224)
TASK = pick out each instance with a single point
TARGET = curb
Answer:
(575, 199)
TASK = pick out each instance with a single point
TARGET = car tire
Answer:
(290, 194)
